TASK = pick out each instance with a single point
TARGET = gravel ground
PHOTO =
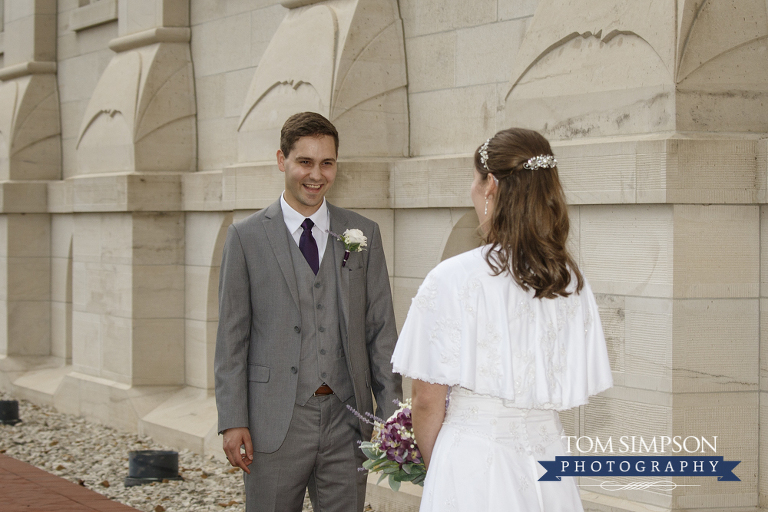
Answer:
(96, 457)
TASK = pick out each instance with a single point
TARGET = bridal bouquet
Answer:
(393, 450)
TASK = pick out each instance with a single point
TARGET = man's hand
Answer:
(234, 438)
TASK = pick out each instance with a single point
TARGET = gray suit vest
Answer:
(322, 354)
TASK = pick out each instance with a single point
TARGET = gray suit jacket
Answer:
(258, 343)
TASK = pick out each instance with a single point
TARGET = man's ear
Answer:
(280, 160)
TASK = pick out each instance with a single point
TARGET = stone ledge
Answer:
(23, 197)
(151, 36)
(126, 193)
(92, 15)
(27, 68)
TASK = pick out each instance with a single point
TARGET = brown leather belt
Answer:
(323, 390)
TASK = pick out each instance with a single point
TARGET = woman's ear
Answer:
(492, 186)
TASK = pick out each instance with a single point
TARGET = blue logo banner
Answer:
(651, 466)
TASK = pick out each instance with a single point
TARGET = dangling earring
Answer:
(486, 206)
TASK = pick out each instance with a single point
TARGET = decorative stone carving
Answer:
(30, 147)
(141, 117)
(595, 68)
(344, 59)
(612, 68)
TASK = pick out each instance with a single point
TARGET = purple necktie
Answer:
(308, 246)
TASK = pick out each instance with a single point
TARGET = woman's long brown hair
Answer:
(528, 227)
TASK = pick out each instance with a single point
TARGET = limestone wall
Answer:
(133, 132)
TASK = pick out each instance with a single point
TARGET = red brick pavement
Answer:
(24, 488)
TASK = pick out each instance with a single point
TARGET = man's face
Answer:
(310, 169)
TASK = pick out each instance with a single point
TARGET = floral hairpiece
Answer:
(484, 154)
(540, 162)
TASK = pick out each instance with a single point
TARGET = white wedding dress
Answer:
(512, 361)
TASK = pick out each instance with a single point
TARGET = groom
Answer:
(304, 331)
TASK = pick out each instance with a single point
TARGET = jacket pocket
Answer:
(258, 373)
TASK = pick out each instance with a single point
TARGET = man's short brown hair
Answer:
(306, 124)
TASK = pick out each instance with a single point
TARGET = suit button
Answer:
(322, 351)
(323, 375)
(297, 328)
(319, 306)
(321, 329)
(294, 370)
(317, 285)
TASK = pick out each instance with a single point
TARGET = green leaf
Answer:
(382, 477)
(393, 484)
(371, 454)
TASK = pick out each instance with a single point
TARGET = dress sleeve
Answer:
(429, 345)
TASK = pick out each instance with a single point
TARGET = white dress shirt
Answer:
(294, 219)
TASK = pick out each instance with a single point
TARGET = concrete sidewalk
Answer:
(25, 488)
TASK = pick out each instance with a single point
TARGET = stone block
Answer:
(409, 183)
(158, 238)
(431, 62)
(616, 416)
(403, 291)
(183, 421)
(235, 88)
(762, 469)
(209, 93)
(116, 238)
(96, 38)
(464, 235)
(29, 279)
(420, 237)
(68, 163)
(486, 53)
(710, 239)
(574, 218)
(627, 250)
(716, 345)
(86, 243)
(460, 129)
(116, 348)
(78, 76)
(202, 191)
(648, 331)
(217, 143)
(158, 291)
(763, 344)
(29, 235)
(60, 197)
(94, 14)
(61, 330)
(515, 9)
(613, 313)
(595, 173)
(386, 221)
(127, 192)
(158, 351)
(71, 116)
(449, 181)
(205, 234)
(264, 24)
(29, 328)
(200, 344)
(430, 16)
(711, 171)
(66, 45)
(733, 418)
(201, 287)
(222, 45)
(360, 185)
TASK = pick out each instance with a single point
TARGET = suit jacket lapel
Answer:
(338, 225)
(278, 236)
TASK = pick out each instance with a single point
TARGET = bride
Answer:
(511, 333)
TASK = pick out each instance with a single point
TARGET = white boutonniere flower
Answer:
(354, 241)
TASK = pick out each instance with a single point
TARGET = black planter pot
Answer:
(147, 466)
(9, 412)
